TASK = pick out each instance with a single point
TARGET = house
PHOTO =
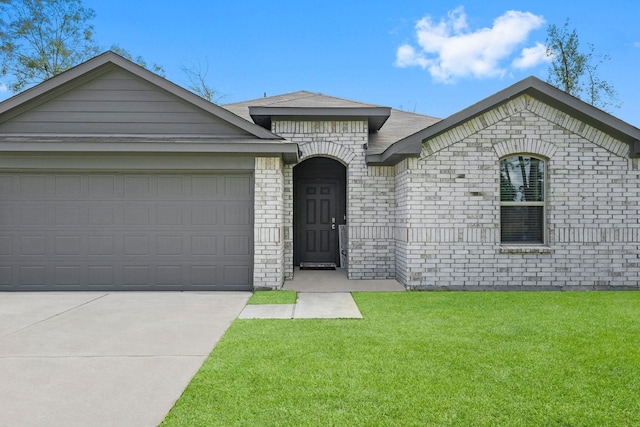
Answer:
(113, 178)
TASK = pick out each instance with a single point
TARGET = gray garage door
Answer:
(118, 231)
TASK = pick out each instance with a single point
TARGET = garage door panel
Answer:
(33, 245)
(236, 245)
(6, 277)
(171, 186)
(136, 275)
(237, 214)
(121, 231)
(236, 276)
(67, 276)
(169, 215)
(7, 218)
(68, 245)
(35, 185)
(33, 275)
(137, 187)
(205, 188)
(100, 186)
(169, 245)
(203, 245)
(68, 185)
(100, 245)
(237, 188)
(170, 275)
(101, 214)
(68, 215)
(33, 214)
(204, 215)
(6, 246)
(100, 276)
(137, 214)
(136, 245)
(203, 275)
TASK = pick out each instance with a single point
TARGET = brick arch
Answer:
(524, 145)
(328, 149)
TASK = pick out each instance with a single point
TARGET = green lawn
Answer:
(273, 297)
(432, 358)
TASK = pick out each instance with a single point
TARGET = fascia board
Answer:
(376, 116)
(248, 148)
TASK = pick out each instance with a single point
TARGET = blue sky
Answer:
(431, 57)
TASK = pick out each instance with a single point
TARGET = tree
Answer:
(198, 82)
(575, 71)
(156, 68)
(42, 38)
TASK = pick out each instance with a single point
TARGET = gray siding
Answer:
(119, 103)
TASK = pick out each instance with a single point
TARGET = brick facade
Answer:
(448, 232)
(268, 228)
(433, 222)
(370, 193)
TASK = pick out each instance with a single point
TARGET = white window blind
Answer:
(522, 200)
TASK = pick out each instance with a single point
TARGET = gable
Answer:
(558, 107)
(524, 117)
(118, 102)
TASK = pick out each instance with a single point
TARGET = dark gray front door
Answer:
(317, 215)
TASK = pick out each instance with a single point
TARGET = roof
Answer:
(308, 104)
(411, 145)
(387, 125)
(399, 125)
(254, 138)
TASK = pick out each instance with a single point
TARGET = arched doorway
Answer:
(319, 208)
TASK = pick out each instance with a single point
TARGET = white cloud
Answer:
(532, 56)
(3, 88)
(450, 50)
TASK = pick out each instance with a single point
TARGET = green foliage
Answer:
(273, 297)
(568, 64)
(156, 68)
(429, 359)
(42, 38)
(576, 72)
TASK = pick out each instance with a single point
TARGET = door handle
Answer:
(333, 226)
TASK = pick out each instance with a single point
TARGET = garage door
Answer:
(118, 231)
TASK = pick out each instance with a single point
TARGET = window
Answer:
(522, 200)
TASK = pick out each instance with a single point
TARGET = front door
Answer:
(317, 229)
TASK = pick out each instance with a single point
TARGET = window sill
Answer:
(523, 249)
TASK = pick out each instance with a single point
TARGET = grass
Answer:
(429, 359)
(273, 297)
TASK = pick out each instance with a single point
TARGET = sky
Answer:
(433, 57)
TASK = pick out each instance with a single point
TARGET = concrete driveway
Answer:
(104, 358)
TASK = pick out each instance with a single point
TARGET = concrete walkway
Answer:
(310, 305)
(104, 359)
(337, 281)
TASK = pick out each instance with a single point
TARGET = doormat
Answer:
(317, 266)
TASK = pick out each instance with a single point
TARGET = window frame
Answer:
(543, 203)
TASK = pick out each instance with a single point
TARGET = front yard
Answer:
(433, 358)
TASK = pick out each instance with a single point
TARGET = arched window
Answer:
(522, 200)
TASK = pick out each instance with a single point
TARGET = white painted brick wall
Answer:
(269, 230)
(370, 193)
(447, 228)
(434, 222)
